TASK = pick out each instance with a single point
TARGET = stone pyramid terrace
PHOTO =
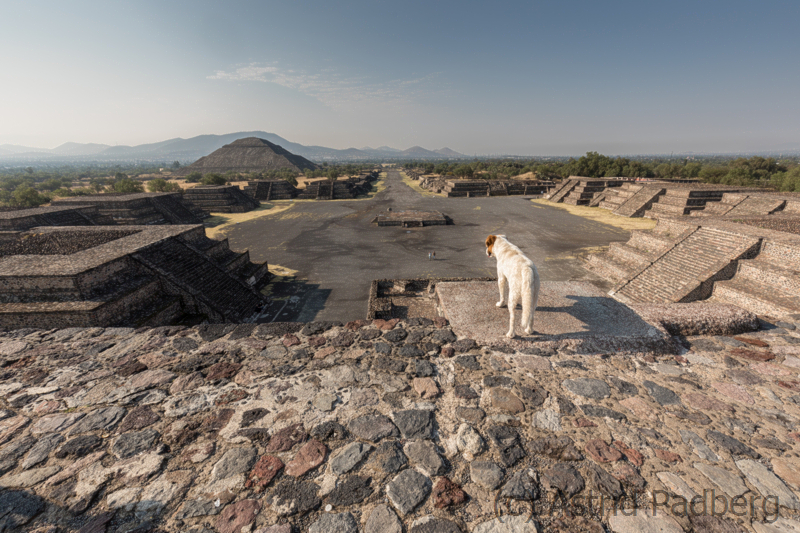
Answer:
(138, 208)
(131, 275)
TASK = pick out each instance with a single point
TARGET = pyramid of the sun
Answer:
(250, 154)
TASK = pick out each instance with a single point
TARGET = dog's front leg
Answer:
(503, 283)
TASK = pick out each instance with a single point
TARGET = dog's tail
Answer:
(530, 297)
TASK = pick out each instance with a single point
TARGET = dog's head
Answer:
(490, 240)
(490, 244)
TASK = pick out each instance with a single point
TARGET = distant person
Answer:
(434, 256)
(429, 256)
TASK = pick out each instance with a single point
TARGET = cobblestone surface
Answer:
(226, 429)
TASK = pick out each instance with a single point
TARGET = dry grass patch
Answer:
(603, 216)
(414, 184)
(218, 224)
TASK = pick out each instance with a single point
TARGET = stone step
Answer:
(164, 311)
(576, 201)
(660, 208)
(608, 267)
(713, 209)
(759, 298)
(608, 203)
(683, 269)
(649, 242)
(757, 206)
(758, 270)
(784, 254)
(560, 192)
(637, 203)
(629, 254)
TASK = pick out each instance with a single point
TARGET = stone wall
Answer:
(220, 199)
(23, 219)
(139, 208)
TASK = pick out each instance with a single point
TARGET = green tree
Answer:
(194, 177)
(25, 196)
(213, 179)
(176, 164)
(128, 186)
(162, 185)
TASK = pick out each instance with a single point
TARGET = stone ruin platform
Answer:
(81, 276)
(411, 219)
(142, 208)
(569, 314)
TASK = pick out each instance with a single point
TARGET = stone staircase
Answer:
(623, 261)
(743, 205)
(175, 211)
(585, 190)
(767, 285)
(207, 287)
(563, 189)
(679, 201)
(686, 269)
(642, 199)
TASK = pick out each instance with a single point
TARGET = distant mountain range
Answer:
(189, 150)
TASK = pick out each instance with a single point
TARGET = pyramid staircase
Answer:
(562, 189)
(687, 270)
(632, 199)
(679, 201)
(625, 260)
(206, 285)
(743, 205)
(768, 284)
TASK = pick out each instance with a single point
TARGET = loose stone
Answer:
(407, 490)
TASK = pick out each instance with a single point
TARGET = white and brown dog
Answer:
(518, 275)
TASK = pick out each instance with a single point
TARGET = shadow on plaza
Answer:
(295, 301)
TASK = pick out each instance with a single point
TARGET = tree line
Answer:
(29, 187)
(756, 171)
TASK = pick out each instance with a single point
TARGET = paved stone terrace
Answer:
(570, 314)
(388, 427)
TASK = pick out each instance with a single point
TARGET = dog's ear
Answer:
(490, 240)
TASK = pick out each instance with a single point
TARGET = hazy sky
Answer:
(531, 78)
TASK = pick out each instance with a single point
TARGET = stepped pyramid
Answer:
(250, 154)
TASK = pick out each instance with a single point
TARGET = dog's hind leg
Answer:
(530, 300)
(502, 281)
(512, 317)
(513, 300)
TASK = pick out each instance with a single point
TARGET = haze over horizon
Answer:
(526, 78)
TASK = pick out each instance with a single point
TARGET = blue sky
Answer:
(530, 78)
